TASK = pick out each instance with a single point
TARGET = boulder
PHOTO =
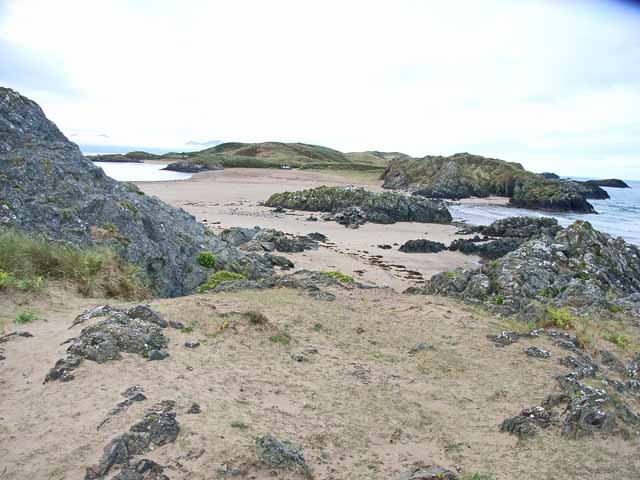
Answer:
(190, 167)
(422, 246)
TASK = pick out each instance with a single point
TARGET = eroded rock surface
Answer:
(137, 330)
(48, 187)
(387, 207)
(157, 428)
(580, 269)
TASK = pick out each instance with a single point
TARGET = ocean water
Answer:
(140, 172)
(619, 216)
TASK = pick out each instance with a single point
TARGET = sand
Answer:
(363, 407)
(230, 198)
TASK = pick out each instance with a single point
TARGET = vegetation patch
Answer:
(282, 337)
(342, 277)
(219, 277)
(25, 317)
(207, 259)
(256, 318)
(27, 262)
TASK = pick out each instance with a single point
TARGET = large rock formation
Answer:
(609, 182)
(580, 268)
(48, 187)
(387, 207)
(464, 175)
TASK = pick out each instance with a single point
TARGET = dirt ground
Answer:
(362, 407)
(231, 197)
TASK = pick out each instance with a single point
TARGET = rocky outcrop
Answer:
(267, 240)
(578, 271)
(536, 193)
(158, 427)
(504, 236)
(517, 227)
(550, 175)
(387, 207)
(113, 158)
(593, 192)
(422, 245)
(48, 187)
(609, 182)
(192, 167)
(464, 175)
(137, 330)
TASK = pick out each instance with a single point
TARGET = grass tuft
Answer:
(27, 262)
(25, 317)
(342, 277)
(219, 277)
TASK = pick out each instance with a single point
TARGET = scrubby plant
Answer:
(619, 339)
(25, 317)
(207, 259)
(561, 317)
(239, 425)
(28, 262)
(499, 299)
(219, 277)
(282, 337)
(342, 277)
(256, 318)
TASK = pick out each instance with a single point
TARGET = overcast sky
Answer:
(552, 84)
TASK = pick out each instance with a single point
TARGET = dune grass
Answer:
(27, 262)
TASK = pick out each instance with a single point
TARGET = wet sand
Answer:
(231, 198)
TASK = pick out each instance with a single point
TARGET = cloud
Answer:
(542, 81)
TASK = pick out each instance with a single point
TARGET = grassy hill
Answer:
(269, 155)
(275, 154)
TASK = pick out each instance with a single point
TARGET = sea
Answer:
(619, 216)
(140, 172)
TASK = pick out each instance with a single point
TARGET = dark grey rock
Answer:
(191, 344)
(428, 473)
(194, 409)
(282, 455)
(352, 206)
(528, 422)
(422, 246)
(537, 352)
(158, 355)
(158, 427)
(279, 261)
(50, 188)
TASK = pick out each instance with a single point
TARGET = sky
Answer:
(554, 85)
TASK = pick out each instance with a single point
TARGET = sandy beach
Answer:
(231, 198)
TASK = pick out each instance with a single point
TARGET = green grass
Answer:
(317, 327)
(619, 339)
(207, 259)
(342, 277)
(27, 262)
(283, 338)
(239, 425)
(219, 277)
(25, 317)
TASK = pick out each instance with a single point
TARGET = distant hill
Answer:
(373, 157)
(276, 154)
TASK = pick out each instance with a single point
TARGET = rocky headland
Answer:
(464, 175)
